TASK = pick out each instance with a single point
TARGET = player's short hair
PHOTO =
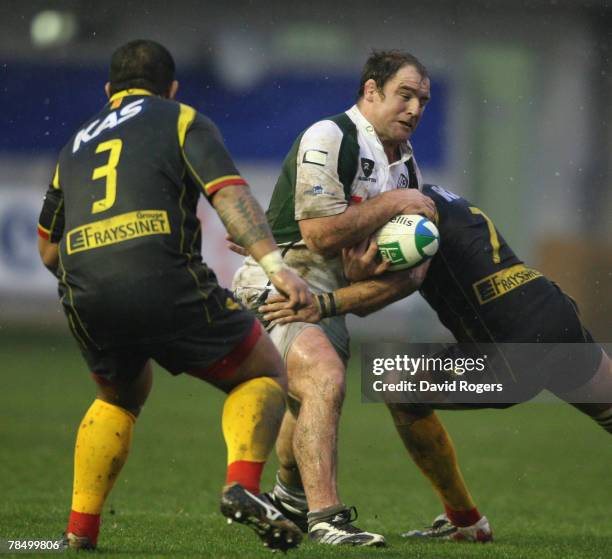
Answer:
(382, 65)
(141, 64)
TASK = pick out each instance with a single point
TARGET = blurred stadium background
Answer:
(519, 121)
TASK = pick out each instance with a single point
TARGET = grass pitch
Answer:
(540, 472)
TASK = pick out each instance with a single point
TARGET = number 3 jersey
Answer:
(122, 206)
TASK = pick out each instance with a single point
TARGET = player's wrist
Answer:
(326, 303)
(272, 263)
(397, 202)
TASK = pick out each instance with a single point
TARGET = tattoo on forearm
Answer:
(243, 218)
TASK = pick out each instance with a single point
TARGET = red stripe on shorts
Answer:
(226, 367)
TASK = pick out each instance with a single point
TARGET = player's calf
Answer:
(255, 380)
(102, 447)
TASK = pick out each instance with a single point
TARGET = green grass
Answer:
(540, 472)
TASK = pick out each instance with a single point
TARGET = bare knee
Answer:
(323, 383)
(330, 390)
(315, 370)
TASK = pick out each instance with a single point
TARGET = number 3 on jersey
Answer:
(109, 172)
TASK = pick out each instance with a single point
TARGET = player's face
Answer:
(397, 110)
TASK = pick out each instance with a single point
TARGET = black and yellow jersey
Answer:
(122, 206)
(476, 284)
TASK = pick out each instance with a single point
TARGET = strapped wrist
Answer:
(272, 263)
(327, 304)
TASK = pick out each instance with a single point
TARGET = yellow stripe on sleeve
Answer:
(186, 116)
(55, 183)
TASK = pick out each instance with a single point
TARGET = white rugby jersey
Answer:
(336, 162)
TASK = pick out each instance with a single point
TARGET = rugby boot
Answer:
(72, 541)
(258, 513)
(443, 529)
(336, 528)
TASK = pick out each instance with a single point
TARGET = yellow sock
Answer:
(102, 446)
(431, 448)
(251, 418)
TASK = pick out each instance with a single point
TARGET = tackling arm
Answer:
(365, 297)
(246, 224)
(210, 166)
(361, 298)
(244, 220)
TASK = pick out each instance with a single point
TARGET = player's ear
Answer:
(369, 90)
(107, 89)
(173, 89)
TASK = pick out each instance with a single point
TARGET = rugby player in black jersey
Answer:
(482, 293)
(119, 230)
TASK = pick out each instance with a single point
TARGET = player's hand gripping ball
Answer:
(407, 241)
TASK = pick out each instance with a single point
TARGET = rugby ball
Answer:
(407, 241)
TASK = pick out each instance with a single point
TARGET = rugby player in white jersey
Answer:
(344, 178)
